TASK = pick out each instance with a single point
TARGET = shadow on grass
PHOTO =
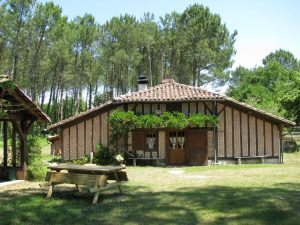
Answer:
(210, 205)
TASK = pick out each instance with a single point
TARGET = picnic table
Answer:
(94, 178)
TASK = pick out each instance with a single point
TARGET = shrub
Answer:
(103, 156)
(36, 171)
(34, 146)
(290, 146)
(81, 161)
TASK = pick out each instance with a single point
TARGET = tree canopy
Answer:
(273, 87)
(69, 65)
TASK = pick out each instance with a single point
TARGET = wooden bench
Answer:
(141, 158)
(261, 157)
(92, 178)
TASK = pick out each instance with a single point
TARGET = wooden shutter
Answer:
(138, 141)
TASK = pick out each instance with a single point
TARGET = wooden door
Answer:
(197, 147)
(176, 147)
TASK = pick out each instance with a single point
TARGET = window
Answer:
(151, 141)
(144, 141)
(177, 140)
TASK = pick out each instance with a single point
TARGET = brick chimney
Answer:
(142, 82)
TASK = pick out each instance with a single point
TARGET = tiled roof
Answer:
(23, 99)
(169, 90)
(72, 118)
(264, 113)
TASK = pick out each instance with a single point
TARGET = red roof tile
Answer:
(169, 90)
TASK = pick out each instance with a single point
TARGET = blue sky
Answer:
(263, 25)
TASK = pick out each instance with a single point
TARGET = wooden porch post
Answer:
(14, 148)
(5, 147)
(215, 132)
(281, 146)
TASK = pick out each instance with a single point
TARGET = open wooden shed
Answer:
(17, 115)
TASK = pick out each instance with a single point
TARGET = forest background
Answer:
(68, 66)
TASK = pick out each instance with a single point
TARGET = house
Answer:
(17, 115)
(243, 131)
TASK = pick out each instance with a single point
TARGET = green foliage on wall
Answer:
(124, 122)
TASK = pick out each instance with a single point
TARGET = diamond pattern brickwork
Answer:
(66, 146)
(193, 109)
(163, 107)
(73, 143)
(221, 149)
(276, 139)
(229, 132)
(244, 134)
(268, 130)
(81, 139)
(96, 131)
(252, 136)
(104, 129)
(237, 133)
(185, 109)
(260, 136)
(88, 136)
(147, 108)
(139, 109)
(130, 141)
(210, 143)
(162, 144)
(201, 107)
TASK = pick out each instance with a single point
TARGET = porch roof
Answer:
(16, 103)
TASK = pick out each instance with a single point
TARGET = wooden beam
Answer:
(241, 132)
(69, 140)
(25, 152)
(61, 135)
(14, 146)
(281, 149)
(84, 137)
(218, 113)
(256, 134)
(5, 147)
(77, 141)
(248, 126)
(18, 128)
(265, 149)
(29, 125)
(232, 121)
(225, 139)
(206, 106)
(28, 107)
(100, 129)
(272, 133)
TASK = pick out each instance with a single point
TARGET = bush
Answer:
(56, 159)
(103, 156)
(36, 171)
(34, 145)
(290, 146)
(81, 161)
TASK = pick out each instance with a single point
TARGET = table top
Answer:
(89, 168)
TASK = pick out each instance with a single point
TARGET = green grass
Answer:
(230, 194)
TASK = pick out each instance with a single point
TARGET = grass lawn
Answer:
(245, 194)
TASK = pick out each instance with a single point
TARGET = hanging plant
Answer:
(200, 120)
(123, 122)
(174, 120)
(149, 121)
